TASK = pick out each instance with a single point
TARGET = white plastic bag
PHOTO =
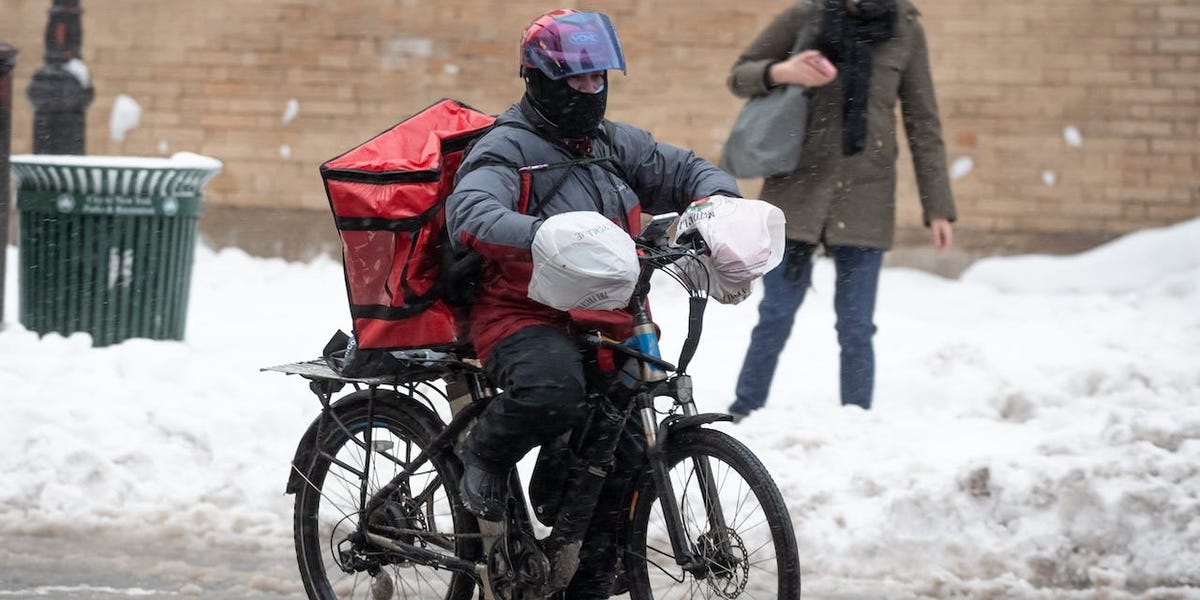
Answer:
(745, 238)
(583, 260)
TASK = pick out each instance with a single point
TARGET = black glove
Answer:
(796, 256)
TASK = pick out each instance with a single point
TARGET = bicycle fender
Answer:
(307, 448)
(679, 422)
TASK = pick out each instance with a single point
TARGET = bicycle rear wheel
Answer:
(426, 511)
(734, 520)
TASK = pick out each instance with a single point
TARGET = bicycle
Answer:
(378, 513)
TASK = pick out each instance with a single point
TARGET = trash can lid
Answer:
(112, 185)
(179, 160)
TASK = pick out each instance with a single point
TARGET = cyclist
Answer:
(496, 210)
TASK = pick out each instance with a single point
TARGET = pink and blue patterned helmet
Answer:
(565, 42)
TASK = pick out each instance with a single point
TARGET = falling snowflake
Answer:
(961, 167)
(1071, 134)
(126, 113)
(290, 111)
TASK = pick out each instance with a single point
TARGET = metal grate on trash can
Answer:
(107, 243)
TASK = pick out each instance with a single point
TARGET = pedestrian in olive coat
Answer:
(865, 55)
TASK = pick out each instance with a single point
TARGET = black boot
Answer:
(484, 486)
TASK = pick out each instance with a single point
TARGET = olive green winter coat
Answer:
(850, 200)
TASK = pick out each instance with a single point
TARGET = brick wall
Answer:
(216, 77)
(1124, 73)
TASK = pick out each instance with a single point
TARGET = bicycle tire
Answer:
(327, 506)
(740, 563)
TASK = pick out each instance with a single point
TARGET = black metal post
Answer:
(8, 60)
(60, 90)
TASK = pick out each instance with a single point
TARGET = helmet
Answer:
(565, 42)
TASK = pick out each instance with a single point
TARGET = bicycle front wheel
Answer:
(734, 521)
(425, 511)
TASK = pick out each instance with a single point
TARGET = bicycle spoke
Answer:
(733, 520)
(310, 484)
(419, 512)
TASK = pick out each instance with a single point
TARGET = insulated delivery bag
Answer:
(388, 200)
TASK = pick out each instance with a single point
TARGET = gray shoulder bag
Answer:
(768, 134)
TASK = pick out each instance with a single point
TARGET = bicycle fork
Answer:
(656, 442)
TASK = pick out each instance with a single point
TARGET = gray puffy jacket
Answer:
(516, 176)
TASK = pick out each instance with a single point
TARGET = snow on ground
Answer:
(1036, 430)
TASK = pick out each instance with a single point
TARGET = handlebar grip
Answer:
(691, 240)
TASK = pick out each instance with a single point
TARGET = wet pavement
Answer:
(108, 568)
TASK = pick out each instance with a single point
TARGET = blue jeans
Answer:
(854, 302)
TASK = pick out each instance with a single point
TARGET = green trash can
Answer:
(107, 242)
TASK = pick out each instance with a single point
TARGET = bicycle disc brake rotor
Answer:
(402, 520)
(724, 552)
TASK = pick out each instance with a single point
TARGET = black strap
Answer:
(696, 305)
(607, 162)
(536, 209)
(540, 201)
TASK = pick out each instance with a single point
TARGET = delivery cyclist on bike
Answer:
(528, 349)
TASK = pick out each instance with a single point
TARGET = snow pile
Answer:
(1036, 430)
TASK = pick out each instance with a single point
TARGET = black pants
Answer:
(541, 372)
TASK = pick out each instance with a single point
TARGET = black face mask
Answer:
(873, 9)
(571, 113)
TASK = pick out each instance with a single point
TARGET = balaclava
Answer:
(570, 113)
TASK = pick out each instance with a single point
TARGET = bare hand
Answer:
(809, 69)
(942, 232)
